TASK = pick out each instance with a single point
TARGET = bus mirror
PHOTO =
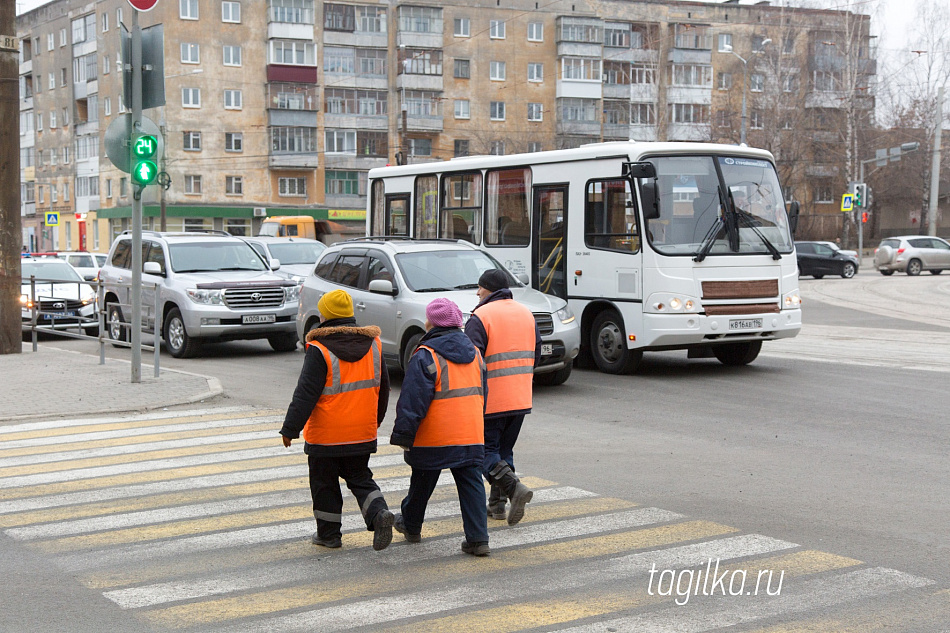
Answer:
(651, 210)
(639, 170)
(793, 210)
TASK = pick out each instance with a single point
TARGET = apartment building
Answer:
(282, 106)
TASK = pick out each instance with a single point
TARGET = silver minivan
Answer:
(912, 254)
(393, 280)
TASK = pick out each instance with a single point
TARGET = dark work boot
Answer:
(332, 542)
(496, 503)
(518, 493)
(400, 527)
(476, 549)
(383, 529)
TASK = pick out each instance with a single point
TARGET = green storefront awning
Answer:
(176, 211)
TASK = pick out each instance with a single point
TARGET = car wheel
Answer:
(114, 327)
(410, 348)
(887, 273)
(817, 276)
(736, 354)
(179, 344)
(608, 345)
(848, 270)
(283, 342)
(936, 271)
(311, 324)
(554, 378)
(914, 267)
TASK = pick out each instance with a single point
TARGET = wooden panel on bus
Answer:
(746, 289)
(745, 308)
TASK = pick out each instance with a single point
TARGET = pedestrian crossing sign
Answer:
(52, 218)
(847, 202)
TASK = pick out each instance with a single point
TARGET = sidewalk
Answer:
(53, 382)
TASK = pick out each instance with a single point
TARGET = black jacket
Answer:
(349, 343)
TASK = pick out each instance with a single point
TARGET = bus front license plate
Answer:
(745, 324)
(258, 318)
(547, 349)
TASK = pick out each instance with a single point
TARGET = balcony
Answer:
(690, 56)
(356, 121)
(580, 49)
(579, 128)
(616, 91)
(638, 55)
(363, 39)
(616, 131)
(407, 81)
(424, 123)
(643, 93)
(643, 132)
(579, 89)
(292, 74)
(821, 171)
(289, 31)
(360, 82)
(353, 162)
(342, 201)
(688, 132)
(291, 160)
(291, 118)
(831, 100)
(689, 94)
(413, 39)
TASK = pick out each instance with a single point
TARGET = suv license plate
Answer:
(547, 349)
(745, 324)
(258, 318)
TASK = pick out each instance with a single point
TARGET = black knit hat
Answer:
(493, 279)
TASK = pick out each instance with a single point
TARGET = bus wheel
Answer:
(736, 354)
(608, 345)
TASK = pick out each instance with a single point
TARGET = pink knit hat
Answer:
(444, 313)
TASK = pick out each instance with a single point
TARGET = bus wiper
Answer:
(708, 240)
(466, 287)
(746, 217)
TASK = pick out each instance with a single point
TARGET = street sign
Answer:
(847, 202)
(52, 218)
(119, 135)
(143, 5)
(153, 65)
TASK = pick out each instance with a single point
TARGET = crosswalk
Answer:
(200, 521)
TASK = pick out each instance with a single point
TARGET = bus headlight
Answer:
(791, 301)
(670, 303)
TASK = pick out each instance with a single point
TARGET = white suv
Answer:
(213, 286)
(912, 254)
(393, 280)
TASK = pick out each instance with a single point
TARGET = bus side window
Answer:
(507, 222)
(610, 220)
(425, 213)
(461, 207)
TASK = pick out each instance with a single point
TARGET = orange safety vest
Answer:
(454, 417)
(347, 409)
(509, 355)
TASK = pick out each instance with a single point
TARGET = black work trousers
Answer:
(325, 475)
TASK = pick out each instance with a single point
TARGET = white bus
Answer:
(656, 246)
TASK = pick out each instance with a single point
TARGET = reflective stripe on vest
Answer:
(455, 415)
(347, 409)
(509, 354)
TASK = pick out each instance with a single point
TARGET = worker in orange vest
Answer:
(340, 401)
(506, 334)
(439, 423)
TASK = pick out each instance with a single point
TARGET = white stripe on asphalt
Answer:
(803, 596)
(181, 547)
(171, 485)
(302, 571)
(388, 609)
(26, 427)
(131, 449)
(144, 430)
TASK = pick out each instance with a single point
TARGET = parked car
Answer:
(392, 281)
(213, 287)
(825, 258)
(912, 254)
(297, 255)
(58, 293)
(86, 264)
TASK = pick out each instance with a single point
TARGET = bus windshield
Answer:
(697, 215)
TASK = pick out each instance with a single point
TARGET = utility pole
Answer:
(11, 234)
(136, 327)
(935, 169)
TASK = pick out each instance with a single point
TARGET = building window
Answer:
(463, 27)
(233, 100)
(497, 71)
(758, 43)
(108, 188)
(788, 46)
(231, 12)
(535, 71)
(496, 30)
(191, 97)
(65, 155)
(462, 109)
(724, 81)
(107, 106)
(689, 113)
(39, 121)
(370, 20)
(692, 36)
(189, 53)
(52, 120)
(757, 120)
(420, 147)
(291, 11)
(296, 187)
(463, 69)
(118, 20)
(573, 30)
(106, 65)
(691, 75)
(193, 184)
(617, 35)
(573, 109)
(238, 227)
(535, 32)
(421, 61)
(188, 9)
(340, 142)
(497, 148)
(825, 81)
(420, 19)
(341, 61)
(535, 146)
(50, 41)
(642, 73)
(497, 111)
(62, 37)
(234, 185)
(233, 142)
(345, 183)
(191, 141)
(725, 42)
(581, 68)
(822, 192)
(62, 77)
(461, 147)
(292, 52)
(293, 140)
(535, 112)
(723, 118)
(339, 17)
(790, 82)
(232, 55)
(123, 187)
(756, 82)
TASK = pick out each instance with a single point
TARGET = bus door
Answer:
(548, 253)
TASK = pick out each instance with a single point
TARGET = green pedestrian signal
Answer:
(144, 149)
(145, 172)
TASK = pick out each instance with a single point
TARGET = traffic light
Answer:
(864, 217)
(144, 149)
(860, 194)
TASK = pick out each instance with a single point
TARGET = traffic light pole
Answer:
(136, 325)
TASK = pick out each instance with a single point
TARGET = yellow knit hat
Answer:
(335, 304)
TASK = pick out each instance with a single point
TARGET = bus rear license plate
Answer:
(547, 349)
(258, 318)
(745, 324)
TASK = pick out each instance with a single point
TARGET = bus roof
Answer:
(632, 149)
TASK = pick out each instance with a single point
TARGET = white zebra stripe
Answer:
(26, 427)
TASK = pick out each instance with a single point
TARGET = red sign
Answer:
(143, 5)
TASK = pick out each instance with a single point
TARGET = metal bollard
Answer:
(157, 327)
(100, 314)
(34, 315)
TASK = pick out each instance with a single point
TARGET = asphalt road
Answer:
(837, 440)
